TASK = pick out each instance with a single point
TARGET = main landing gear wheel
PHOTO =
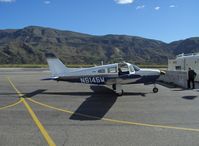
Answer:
(118, 89)
(114, 86)
(155, 90)
(120, 93)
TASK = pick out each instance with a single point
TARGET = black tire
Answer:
(155, 90)
(121, 93)
(114, 86)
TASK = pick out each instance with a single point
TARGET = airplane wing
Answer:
(51, 78)
(123, 79)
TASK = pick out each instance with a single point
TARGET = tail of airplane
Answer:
(56, 67)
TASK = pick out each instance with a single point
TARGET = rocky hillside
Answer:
(29, 45)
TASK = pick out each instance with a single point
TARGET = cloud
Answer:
(140, 7)
(157, 8)
(172, 6)
(7, 1)
(124, 1)
(47, 2)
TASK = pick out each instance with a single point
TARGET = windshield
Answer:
(136, 68)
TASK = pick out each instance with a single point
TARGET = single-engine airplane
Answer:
(116, 74)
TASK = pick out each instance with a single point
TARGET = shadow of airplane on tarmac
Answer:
(26, 95)
(31, 94)
(189, 97)
(98, 104)
(95, 106)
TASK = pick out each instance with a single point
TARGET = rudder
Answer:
(56, 67)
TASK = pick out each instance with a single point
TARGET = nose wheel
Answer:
(155, 89)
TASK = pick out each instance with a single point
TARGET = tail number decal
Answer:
(92, 80)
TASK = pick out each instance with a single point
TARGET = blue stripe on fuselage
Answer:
(103, 79)
(147, 79)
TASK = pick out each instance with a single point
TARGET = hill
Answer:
(28, 45)
(190, 45)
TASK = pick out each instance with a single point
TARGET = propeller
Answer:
(162, 72)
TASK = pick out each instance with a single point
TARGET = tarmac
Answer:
(42, 113)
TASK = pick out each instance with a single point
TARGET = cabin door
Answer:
(123, 69)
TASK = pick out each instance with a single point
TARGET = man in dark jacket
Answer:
(191, 77)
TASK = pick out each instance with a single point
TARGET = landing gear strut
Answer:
(118, 89)
(155, 89)
(114, 87)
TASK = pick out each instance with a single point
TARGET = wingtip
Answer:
(51, 78)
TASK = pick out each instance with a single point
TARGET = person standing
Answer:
(191, 77)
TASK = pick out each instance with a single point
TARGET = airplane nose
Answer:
(159, 72)
(162, 72)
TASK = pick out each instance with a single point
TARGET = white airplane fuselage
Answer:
(112, 74)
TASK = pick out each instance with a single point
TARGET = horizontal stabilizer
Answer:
(51, 78)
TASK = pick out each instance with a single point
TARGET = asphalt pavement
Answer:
(35, 112)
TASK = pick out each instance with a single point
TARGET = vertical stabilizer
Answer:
(56, 67)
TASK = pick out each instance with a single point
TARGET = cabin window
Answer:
(178, 67)
(101, 71)
(112, 70)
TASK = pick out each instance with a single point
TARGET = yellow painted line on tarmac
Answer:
(34, 117)
(62, 110)
(116, 121)
(11, 105)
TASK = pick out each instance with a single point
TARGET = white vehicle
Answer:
(116, 74)
(183, 62)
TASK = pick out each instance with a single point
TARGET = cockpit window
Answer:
(123, 67)
(136, 68)
(132, 68)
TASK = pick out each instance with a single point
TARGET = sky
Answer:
(165, 20)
